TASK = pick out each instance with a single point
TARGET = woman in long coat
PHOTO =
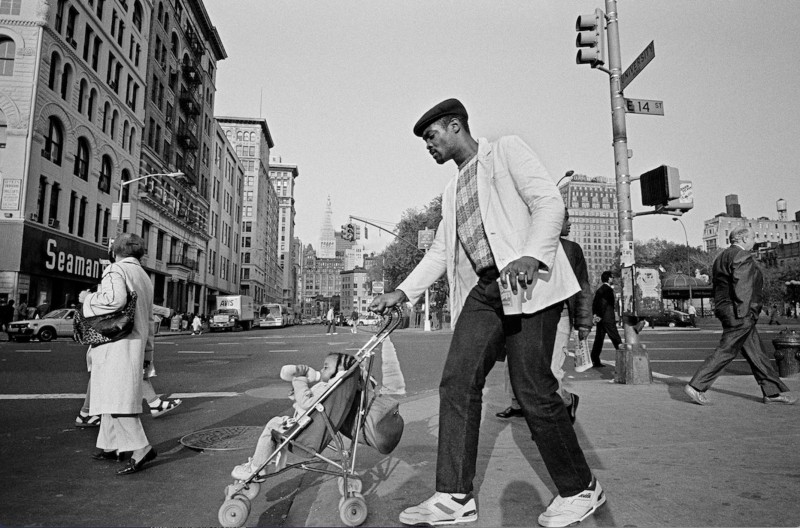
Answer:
(116, 379)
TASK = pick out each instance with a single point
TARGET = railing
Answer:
(179, 260)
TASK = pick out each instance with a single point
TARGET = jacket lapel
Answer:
(485, 176)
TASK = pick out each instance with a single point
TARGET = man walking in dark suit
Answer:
(603, 309)
(737, 283)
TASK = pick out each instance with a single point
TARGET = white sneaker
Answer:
(442, 508)
(246, 470)
(564, 511)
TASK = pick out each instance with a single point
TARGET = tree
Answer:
(775, 289)
(402, 255)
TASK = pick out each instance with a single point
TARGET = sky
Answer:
(341, 85)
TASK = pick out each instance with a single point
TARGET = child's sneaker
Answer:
(442, 508)
(564, 511)
(246, 470)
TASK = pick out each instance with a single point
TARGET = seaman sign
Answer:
(644, 106)
(638, 65)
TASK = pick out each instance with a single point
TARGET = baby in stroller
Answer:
(305, 393)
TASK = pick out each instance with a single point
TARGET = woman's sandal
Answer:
(87, 421)
(164, 407)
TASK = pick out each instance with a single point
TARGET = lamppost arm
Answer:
(122, 185)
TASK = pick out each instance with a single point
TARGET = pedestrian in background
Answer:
(331, 317)
(576, 314)
(501, 217)
(6, 315)
(116, 368)
(354, 322)
(692, 311)
(197, 325)
(773, 315)
(737, 283)
(22, 311)
(604, 317)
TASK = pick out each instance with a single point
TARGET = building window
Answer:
(40, 199)
(54, 195)
(81, 169)
(104, 182)
(66, 80)
(82, 216)
(10, 7)
(59, 16)
(72, 19)
(7, 51)
(53, 141)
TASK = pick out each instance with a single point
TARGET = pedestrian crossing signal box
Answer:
(660, 186)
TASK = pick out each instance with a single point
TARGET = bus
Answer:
(274, 315)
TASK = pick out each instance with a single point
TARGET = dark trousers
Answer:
(604, 327)
(481, 336)
(735, 339)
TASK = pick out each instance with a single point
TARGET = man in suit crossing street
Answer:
(603, 309)
(737, 282)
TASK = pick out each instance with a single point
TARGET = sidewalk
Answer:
(662, 460)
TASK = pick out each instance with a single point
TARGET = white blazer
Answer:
(522, 214)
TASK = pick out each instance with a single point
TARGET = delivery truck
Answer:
(234, 312)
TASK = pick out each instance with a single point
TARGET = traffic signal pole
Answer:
(632, 362)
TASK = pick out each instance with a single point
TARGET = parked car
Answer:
(669, 318)
(57, 323)
(369, 320)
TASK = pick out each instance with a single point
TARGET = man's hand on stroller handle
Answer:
(387, 300)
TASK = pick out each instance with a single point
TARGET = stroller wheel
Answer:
(353, 485)
(353, 511)
(233, 513)
(251, 490)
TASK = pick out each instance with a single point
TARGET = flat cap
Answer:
(447, 107)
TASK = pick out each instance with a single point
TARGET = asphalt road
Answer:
(225, 380)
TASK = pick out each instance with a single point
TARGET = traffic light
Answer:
(660, 185)
(351, 232)
(345, 232)
(590, 30)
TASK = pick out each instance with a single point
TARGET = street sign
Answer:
(377, 287)
(425, 238)
(638, 65)
(644, 106)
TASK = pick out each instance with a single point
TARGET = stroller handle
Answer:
(391, 320)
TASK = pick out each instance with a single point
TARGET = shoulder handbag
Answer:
(106, 328)
(383, 425)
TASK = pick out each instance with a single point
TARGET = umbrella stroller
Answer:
(345, 409)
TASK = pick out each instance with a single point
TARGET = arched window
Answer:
(161, 12)
(125, 127)
(106, 116)
(126, 191)
(166, 21)
(174, 44)
(54, 141)
(81, 169)
(91, 107)
(137, 15)
(55, 64)
(7, 51)
(66, 81)
(239, 136)
(114, 119)
(131, 138)
(104, 183)
(82, 89)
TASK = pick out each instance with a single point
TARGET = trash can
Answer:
(787, 353)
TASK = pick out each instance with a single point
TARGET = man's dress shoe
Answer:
(509, 413)
(134, 466)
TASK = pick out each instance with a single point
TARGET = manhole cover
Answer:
(223, 438)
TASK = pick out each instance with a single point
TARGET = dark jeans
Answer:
(604, 327)
(482, 334)
(742, 338)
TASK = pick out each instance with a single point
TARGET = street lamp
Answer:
(688, 265)
(122, 185)
(567, 175)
